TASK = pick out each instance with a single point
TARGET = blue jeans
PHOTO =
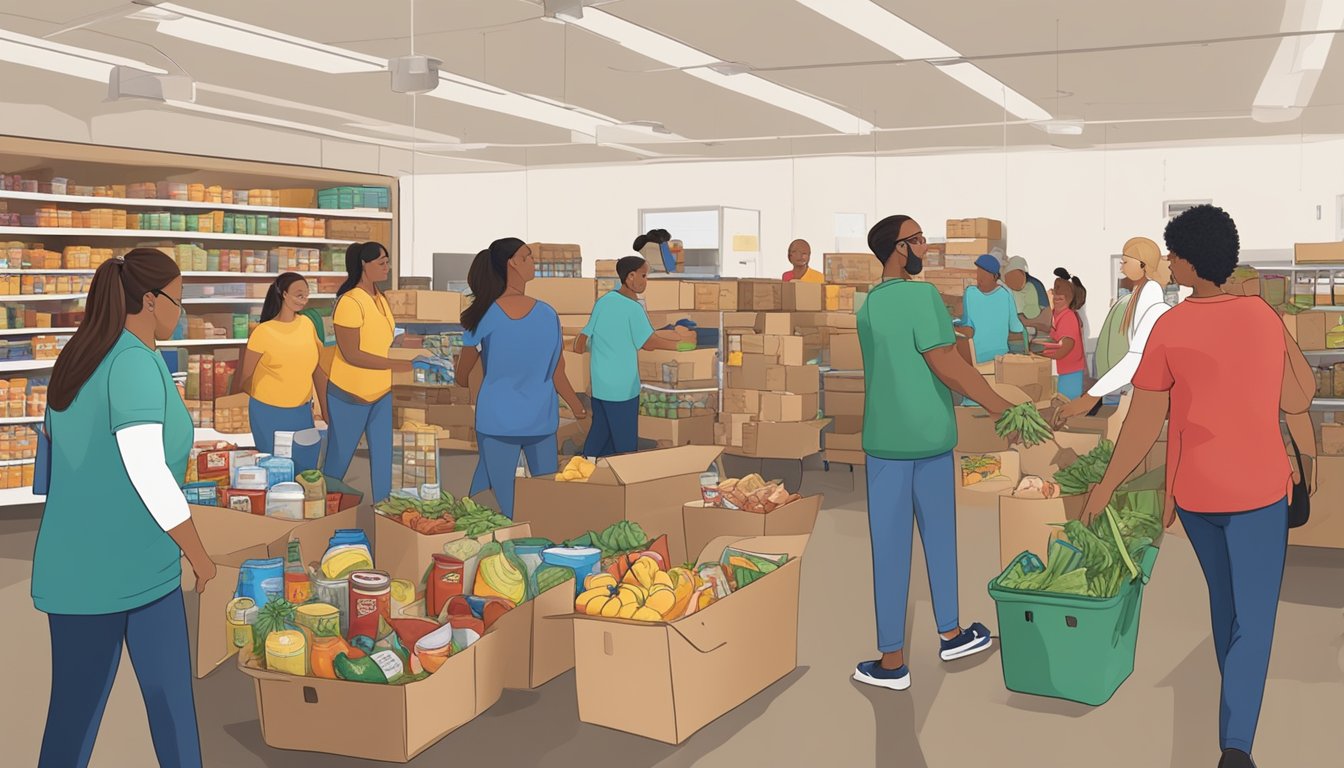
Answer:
(900, 494)
(498, 466)
(1071, 385)
(1242, 557)
(86, 651)
(615, 428)
(266, 420)
(351, 419)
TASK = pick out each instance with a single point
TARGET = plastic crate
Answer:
(1069, 647)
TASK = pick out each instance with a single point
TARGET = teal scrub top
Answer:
(99, 550)
(617, 330)
(993, 315)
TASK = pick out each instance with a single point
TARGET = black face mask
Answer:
(913, 264)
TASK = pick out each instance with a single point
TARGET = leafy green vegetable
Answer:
(274, 616)
(1026, 422)
(1087, 471)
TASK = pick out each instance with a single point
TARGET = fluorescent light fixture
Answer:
(562, 10)
(464, 91)
(1299, 61)
(230, 35)
(1063, 127)
(867, 19)
(64, 59)
(702, 66)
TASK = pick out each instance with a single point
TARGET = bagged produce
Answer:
(578, 470)
(753, 494)
(499, 576)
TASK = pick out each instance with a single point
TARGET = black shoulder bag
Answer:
(1299, 509)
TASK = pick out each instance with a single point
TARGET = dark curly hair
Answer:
(1206, 236)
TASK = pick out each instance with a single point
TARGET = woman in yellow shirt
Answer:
(800, 256)
(280, 370)
(359, 398)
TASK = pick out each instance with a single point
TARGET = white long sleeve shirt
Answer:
(1151, 306)
(141, 448)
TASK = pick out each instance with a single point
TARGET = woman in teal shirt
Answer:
(107, 566)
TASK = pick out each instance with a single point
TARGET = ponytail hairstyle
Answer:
(1149, 256)
(275, 297)
(655, 236)
(118, 290)
(487, 278)
(356, 256)
(1079, 292)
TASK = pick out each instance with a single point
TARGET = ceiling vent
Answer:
(414, 74)
(132, 83)
(1173, 208)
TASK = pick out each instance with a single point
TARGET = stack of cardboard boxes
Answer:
(844, 401)
(970, 238)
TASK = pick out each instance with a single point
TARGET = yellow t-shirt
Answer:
(289, 355)
(373, 318)
(810, 276)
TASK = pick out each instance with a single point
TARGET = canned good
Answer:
(240, 615)
(370, 600)
(335, 592)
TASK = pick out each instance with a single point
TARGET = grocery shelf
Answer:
(35, 331)
(1322, 352)
(17, 462)
(246, 300)
(136, 202)
(13, 497)
(15, 420)
(10, 366)
(202, 342)
(159, 234)
(17, 271)
(262, 274)
(243, 440)
(13, 297)
(672, 391)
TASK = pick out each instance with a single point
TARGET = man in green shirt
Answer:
(910, 365)
(619, 328)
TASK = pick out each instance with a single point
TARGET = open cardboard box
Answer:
(975, 427)
(997, 477)
(646, 488)
(704, 524)
(406, 554)
(1028, 523)
(230, 538)
(694, 430)
(781, 440)
(393, 723)
(665, 681)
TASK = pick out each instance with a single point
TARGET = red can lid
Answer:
(370, 581)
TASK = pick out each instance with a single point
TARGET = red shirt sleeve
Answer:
(787, 276)
(1154, 372)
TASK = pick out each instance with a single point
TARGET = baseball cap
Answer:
(988, 263)
(1016, 264)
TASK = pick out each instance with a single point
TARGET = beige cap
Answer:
(1016, 264)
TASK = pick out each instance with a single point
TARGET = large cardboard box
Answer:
(426, 306)
(844, 441)
(669, 295)
(975, 427)
(743, 401)
(705, 524)
(751, 374)
(1318, 253)
(697, 365)
(857, 269)
(777, 406)
(987, 474)
(844, 381)
(853, 458)
(696, 430)
(230, 537)
(393, 723)
(796, 379)
(779, 440)
(1308, 328)
(1029, 524)
(689, 673)
(774, 323)
(846, 354)
(728, 429)
(566, 295)
(805, 297)
(360, 230)
(1332, 440)
(406, 554)
(536, 638)
(1326, 526)
(1030, 373)
(648, 488)
(715, 296)
(987, 228)
(844, 403)
(974, 247)
(760, 295)
(785, 350)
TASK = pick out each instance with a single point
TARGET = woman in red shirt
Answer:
(1225, 368)
(1066, 328)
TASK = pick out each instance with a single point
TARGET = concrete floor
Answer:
(954, 715)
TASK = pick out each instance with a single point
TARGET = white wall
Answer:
(1062, 208)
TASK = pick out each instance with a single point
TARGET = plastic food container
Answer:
(206, 494)
(253, 574)
(251, 502)
(285, 501)
(709, 489)
(253, 478)
(584, 561)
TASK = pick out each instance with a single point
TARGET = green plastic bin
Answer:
(1066, 646)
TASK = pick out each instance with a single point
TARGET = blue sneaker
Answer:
(971, 641)
(872, 673)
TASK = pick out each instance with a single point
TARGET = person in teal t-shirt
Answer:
(910, 367)
(619, 328)
(106, 568)
(989, 313)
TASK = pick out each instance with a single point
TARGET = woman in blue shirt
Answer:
(519, 344)
(107, 565)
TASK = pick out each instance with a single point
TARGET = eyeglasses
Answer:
(915, 239)
(176, 303)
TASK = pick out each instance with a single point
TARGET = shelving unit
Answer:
(102, 166)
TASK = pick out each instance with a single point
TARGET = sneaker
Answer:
(1235, 758)
(872, 673)
(971, 641)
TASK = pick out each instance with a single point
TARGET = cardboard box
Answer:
(743, 401)
(578, 369)
(840, 298)
(403, 378)
(835, 321)
(760, 295)
(845, 352)
(426, 306)
(795, 379)
(852, 458)
(778, 440)
(845, 403)
(537, 638)
(705, 524)
(667, 433)
(777, 406)
(1332, 440)
(857, 269)
(753, 373)
(1318, 253)
(974, 247)
(729, 426)
(648, 488)
(691, 672)
(991, 473)
(1033, 375)
(696, 365)
(566, 295)
(1326, 526)
(1030, 524)
(1308, 328)
(669, 295)
(360, 230)
(986, 228)
(406, 554)
(773, 323)
(841, 381)
(573, 325)
(844, 441)
(805, 297)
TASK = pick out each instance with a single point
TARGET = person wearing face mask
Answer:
(800, 256)
(1067, 331)
(989, 313)
(910, 368)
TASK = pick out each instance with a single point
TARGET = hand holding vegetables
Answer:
(1025, 422)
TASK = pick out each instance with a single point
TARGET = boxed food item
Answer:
(1308, 328)
(673, 368)
(705, 523)
(409, 532)
(1318, 253)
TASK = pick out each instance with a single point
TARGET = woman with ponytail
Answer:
(281, 371)
(1067, 330)
(518, 340)
(359, 396)
(107, 565)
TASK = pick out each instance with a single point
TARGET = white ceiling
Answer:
(1146, 93)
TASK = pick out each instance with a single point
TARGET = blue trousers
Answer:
(1242, 557)
(498, 465)
(266, 420)
(351, 419)
(615, 428)
(1071, 385)
(86, 651)
(901, 494)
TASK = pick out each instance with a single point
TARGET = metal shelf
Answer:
(13, 497)
(17, 462)
(137, 202)
(245, 299)
(10, 366)
(35, 331)
(17, 420)
(158, 234)
(13, 297)
(202, 342)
